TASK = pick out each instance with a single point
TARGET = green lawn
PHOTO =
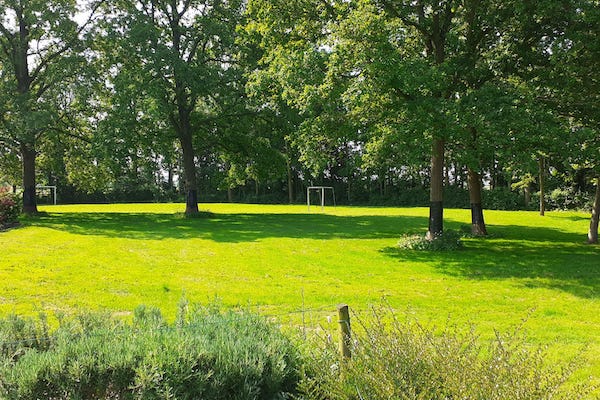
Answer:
(275, 258)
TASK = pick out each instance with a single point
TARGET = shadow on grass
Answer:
(535, 257)
(231, 227)
(532, 257)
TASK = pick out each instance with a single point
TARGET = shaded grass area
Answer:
(281, 259)
(229, 228)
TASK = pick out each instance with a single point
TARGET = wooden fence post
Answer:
(345, 332)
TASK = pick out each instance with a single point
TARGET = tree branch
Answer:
(67, 46)
(9, 36)
(387, 5)
(186, 7)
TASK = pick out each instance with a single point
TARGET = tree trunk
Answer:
(170, 176)
(593, 232)
(290, 183)
(527, 190)
(29, 197)
(436, 191)
(189, 172)
(183, 125)
(542, 167)
(349, 191)
(477, 222)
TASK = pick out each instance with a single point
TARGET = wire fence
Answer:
(304, 318)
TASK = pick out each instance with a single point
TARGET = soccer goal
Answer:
(321, 192)
(46, 190)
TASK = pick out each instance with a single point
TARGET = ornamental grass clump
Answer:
(206, 354)
(402, 359)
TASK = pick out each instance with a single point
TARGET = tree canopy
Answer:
(254, 100)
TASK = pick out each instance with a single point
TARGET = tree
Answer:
(572, 87)
(184, 54)
(42, 48)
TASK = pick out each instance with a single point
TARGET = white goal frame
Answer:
(52, 188)
(321, 191)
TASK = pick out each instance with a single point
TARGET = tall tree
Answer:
(571, 84)
(184, 55)
(42, 48)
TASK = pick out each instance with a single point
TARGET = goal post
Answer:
(321, 191)
(52, 189)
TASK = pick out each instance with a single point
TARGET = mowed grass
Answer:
(282, 259)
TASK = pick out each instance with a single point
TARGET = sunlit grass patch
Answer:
(281, 260)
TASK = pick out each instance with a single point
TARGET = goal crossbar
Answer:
(321, 191)
(52, 188)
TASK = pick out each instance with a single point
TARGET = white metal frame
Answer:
(53, 188)
(321, 190)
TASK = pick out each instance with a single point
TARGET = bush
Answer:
(401, 359)
(205, 354)
(448, 240)
(9, 208)
(568, 199)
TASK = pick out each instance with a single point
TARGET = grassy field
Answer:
(282, 259)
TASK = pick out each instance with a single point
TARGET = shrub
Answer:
(503, 199)
(402, 359)
(568, 199)
(448, 240)
(205, 354)
(9, 208)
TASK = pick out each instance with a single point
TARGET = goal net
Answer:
(320, 192)
(46, 192)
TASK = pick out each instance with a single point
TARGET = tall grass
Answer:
(394, 358)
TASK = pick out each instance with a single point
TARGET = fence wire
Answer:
(48, 339)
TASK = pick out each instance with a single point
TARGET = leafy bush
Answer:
(205, 354)
(448, 240)
(9, 208)
(402, 359)
(568, 199)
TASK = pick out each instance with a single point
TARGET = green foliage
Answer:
(449, 240)
(568, 198)
(10, 208)
(207, 353)
(395, 358)
(503, 199)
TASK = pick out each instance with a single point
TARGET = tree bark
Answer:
(24, 81)
(29, 197)
(189, 171)
(478, 227)
(182, 123)
(593, 232)
(436, 190)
